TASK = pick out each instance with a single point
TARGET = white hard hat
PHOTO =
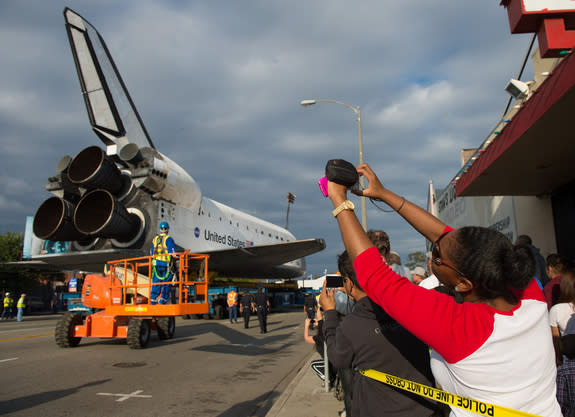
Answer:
(419, 271)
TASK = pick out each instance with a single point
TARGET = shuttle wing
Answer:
(264, 261)
(88, 261)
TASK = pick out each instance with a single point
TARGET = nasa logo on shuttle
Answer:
(197, 232)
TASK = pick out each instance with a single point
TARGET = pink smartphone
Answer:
(322, 182)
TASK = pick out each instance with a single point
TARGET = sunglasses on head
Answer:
(436, 255)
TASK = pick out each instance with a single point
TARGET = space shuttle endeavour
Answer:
(108, 202)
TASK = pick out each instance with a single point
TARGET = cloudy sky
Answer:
(218, 85)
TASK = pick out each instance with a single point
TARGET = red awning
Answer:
(535, 153)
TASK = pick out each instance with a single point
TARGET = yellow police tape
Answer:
(468, 404)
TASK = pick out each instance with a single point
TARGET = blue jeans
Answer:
(7, 313)
(161, 292)
(20, 313)
(233, 314)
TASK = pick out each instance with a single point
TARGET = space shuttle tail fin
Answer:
(111, 111)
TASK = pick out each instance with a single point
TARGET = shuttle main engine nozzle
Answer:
(93, 169)
(100, 214)
(54, 221)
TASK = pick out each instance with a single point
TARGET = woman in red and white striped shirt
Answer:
(494, 347)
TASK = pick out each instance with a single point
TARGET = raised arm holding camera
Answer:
(496, 346)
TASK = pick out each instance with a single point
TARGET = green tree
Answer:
(416, 259)
(13, 278)
(11, 246)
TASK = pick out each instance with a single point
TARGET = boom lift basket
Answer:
(123, 300)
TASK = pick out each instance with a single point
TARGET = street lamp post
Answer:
(306, 103)
(290, 200)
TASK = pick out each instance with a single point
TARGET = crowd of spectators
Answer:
(490, 319)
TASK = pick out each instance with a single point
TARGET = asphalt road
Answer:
(209, 368)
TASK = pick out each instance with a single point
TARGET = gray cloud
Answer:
(218, 86)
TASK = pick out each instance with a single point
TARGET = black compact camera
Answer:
(339, 171)
(333, 281)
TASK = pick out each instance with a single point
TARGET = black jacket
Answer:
(247, 300)
(310, 302)
(368, 338)
(540, 266)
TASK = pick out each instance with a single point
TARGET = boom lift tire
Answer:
(166, 327)
(138, 333)
(65, 329)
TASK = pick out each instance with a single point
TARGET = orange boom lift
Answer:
(121, 301)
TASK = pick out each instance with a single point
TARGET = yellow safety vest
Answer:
(21, 303)
(8, 301)
(231, 298)
(160, 250)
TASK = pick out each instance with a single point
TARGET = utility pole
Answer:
(357, 111)
(290, 199)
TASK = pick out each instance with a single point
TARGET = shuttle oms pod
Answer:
(121, 300)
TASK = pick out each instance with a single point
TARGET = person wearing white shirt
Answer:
(430, 282)
(561, 312)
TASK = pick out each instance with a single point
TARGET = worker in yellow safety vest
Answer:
(7, 312)
(233, 306)
(21, 305)
(163, 249)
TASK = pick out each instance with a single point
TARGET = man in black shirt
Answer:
(246, 307)
(310, 307)
(262, 305)
(368, 338)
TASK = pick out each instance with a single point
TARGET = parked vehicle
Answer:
(34, 304)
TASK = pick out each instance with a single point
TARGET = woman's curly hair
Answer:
(491, 262)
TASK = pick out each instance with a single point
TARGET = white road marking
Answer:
(6, 360)
(124, 397)
(22, 329)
